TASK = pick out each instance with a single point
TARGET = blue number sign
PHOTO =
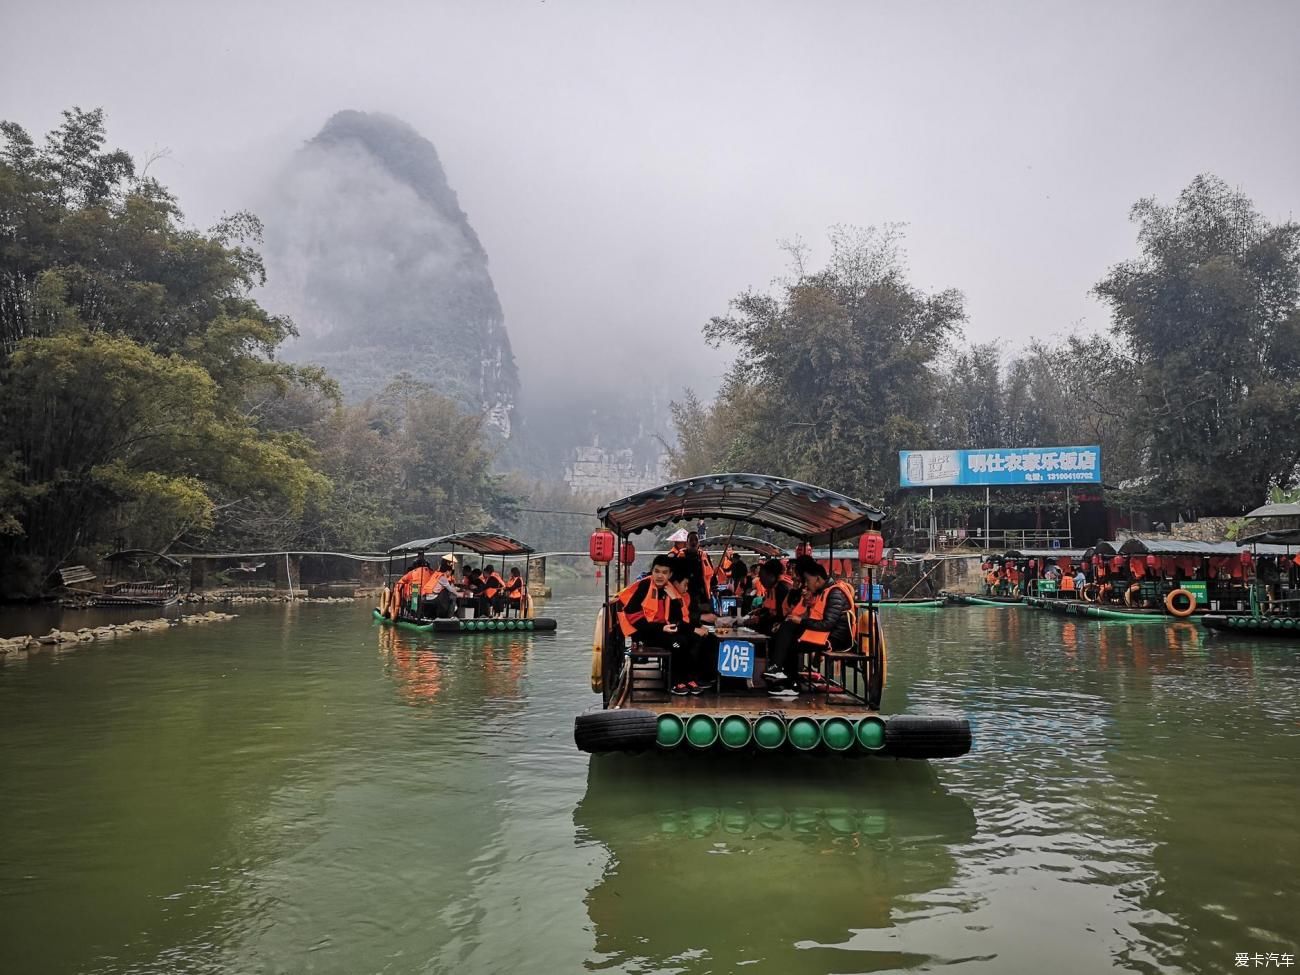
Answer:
(735, 658)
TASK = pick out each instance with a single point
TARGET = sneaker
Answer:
(681, 689)
(774, 674)
(786, 691)
(694, 688)
(701, 687)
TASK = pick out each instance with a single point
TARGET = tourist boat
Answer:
(501, 548)
(1272, 558)
(738, 715)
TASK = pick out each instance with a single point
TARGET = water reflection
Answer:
(425, 667)
(797, 855)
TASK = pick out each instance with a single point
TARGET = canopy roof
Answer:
(1105, 547)
(1045, 553)
(1281, 537)
(481, 543)
(1174, 546)
(1291, 510)
(802, 510)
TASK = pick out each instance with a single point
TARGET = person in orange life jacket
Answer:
(438, 593)
(739, 584)
(494, 590)
(657, 614)
(472, 591)
(412, 580)
(515, 592)
(688, 576)
(777, 587)
(824, 620)
(707, 573)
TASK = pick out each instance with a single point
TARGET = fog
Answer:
(630, 167)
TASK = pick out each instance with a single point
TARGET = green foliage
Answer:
(140, 395)
(1210, 316)
(836, 371)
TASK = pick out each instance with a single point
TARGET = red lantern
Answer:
(802, 549)
(627, 554)
(1117, 564)
(601, 546)
(1246, 558)
(871, 548)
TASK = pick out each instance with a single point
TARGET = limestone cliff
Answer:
(368, 250)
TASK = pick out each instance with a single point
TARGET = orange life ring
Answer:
(1175, 611)
(1091, 592)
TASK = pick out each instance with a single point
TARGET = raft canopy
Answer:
(1279, 537)
(1045, 553)
(1174, 546)
(480, 543)
(803, 511)
(1288, 510)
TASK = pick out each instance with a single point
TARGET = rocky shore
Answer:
(57, 641)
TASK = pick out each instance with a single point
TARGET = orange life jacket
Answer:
(650, 608)
(413, 580)
(816, 610)
(428, 586)
(769, 598)
(492, 585)
(515, 589)
(1067, 583)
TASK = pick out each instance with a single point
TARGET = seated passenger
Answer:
(494, 591)
(824, 620)
(657, 614)
(515, 593)
(777, 587)
(407, 588)
(438, 593)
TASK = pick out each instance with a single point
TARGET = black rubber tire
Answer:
(927, 736)
(621, 730)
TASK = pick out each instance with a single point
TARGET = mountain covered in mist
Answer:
(368, 250)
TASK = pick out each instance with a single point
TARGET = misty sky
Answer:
(630, 166)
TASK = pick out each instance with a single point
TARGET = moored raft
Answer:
(970, 599)
(1287, 627)
(469, 626)
(937, 602)
(1070, 607)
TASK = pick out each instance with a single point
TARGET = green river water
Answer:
(302, 791)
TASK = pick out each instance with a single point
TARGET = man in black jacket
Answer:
(657, 614)
(823, 620)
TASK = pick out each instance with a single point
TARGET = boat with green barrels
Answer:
(509, 609)
(837, 707)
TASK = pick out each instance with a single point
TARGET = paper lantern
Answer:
(601, 546)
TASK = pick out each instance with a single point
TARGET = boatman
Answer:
(438, 594)
(657, 614)
(824, 620)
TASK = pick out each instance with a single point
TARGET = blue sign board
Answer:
(876, 595)
(1012, 465)
(735, 658)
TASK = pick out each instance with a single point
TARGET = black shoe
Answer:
(701, 687)
(680, 690)
(776, 673)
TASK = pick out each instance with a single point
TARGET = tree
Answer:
(1210, 315)
(839, 366)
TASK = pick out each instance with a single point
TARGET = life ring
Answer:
(1091, 592)
(1186, 611)
(598, 653)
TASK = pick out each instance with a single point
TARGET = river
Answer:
(302, 791)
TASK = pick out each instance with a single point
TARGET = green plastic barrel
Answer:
(804, 734)
(1276, 624)
(871, 734)
(735, 731)
(1289, 623)
(702, 731)
(837, 733)
(529, 623)
(670, 731)
(769, 733)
